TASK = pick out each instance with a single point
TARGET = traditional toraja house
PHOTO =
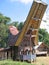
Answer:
(41, 49)
(5, 53)
(27, 38)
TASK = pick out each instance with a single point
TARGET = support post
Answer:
(15, 53)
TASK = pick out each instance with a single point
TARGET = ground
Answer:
(39, 61)
(42, 61)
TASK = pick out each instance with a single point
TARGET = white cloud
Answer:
(22, 1)
(45, 25)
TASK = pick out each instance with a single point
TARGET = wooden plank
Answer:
(31, 35)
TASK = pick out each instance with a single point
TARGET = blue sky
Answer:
(18, 10)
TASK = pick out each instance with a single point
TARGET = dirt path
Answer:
(42, 61)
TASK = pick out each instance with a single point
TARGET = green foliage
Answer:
(46, 41)
(20, 26)
(3, 30)
(10, 62)
(3, 34)
(44, 36)
(14, 23)
(4, 19)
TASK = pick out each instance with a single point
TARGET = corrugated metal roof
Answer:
(39, 43)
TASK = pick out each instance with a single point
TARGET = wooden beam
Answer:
(29, 35)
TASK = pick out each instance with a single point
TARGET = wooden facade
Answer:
(5, 53)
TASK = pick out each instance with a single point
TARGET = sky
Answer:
(18, 10)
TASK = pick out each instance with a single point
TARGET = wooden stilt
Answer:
(7, 54)
(15, 53)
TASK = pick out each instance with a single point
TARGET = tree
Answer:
(46, 41)
(3, 29)
(20, 26)
(44, 36)
(15, 23)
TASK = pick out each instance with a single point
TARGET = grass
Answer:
(10, 62)
(39, 61)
